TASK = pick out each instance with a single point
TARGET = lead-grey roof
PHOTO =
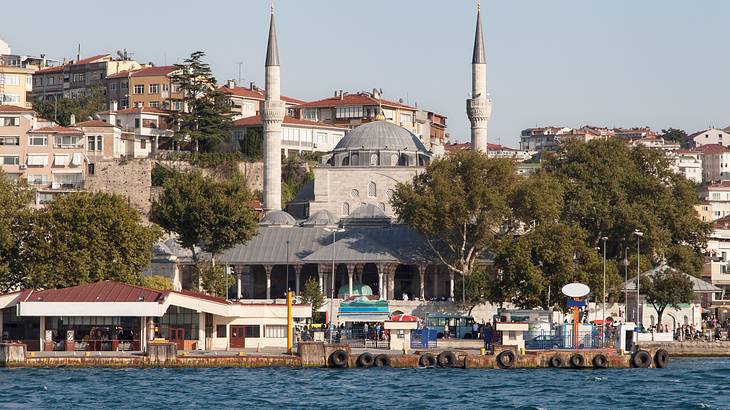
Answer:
(272, 51)
(397, 244)
(478, 56)
(698, 285)
(278, 218)
(322, 217)
(380, 135)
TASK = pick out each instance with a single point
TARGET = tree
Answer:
(474, 290)
(312, 294)
(666, 287)
(157, 282)
(462, 205)
(213, 278)
(207, 117)
(677, 136)
(14, 198)
(82, 107)
(612, 189)
(204, 212)
(81, 238)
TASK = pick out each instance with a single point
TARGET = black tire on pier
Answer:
(506, 359)
(556, 362)
(382, 360)
(577, 361)
(427, 360)
(600, 361)
(447, 359)
(661, 359)
(338, 359)
(365, 360)
(641, 359)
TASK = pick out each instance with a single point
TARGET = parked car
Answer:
(544, 342)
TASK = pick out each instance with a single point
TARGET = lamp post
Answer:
(625, 264)
(287, 267)
(332, 289)
(638, 234)
(603, 323)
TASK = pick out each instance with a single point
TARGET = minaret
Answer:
(479, 107)
(272, 115)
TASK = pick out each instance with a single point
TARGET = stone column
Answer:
(349, 277)
(436, 287)
(239, 288)
(421, 275)
(391, 281)
(42, 331)
(451, 286)
(268, 280)
(381, 289)
(201, 329)
(321, 278)
(1, 325)
(297, 277)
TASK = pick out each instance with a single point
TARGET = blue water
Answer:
(687, 383)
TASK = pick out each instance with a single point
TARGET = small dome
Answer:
(367, 211)
(321, 218)
(380, 135)
(278, 218)
(358, 289)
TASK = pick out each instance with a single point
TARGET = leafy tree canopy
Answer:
(312, 294)
(82, 107)
(157, 282)
(666, 287)
(678, 136)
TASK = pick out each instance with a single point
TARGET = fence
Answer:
(424, 338)
(563, 339)
(361, 338)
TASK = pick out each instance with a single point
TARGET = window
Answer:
(9, 140)
(51, 81)
(165, 87)
(112, 85)
(311, 114)
(723, 268)
(177, 105)
(39, 179)
(154, 104)
(8, 79)
(68, 141)
(139, 89)
(94, 143)
(11, 98)
(373, 159)
(372, 189)
(348, 112)
(716, 196)
(220, 331)
(154, 88)
(277, 331)
(38, 140)
(143, 144)
(406, 118)
(354, 193)
(10, 160)
(252, 331)
(148, 123)
(176, 88)
(345, 209)
(321, 137)
(44, 197)
(137, 122)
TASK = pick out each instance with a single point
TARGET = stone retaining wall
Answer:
(691, 348)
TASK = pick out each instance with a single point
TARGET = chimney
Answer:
(336, 95)
(138, 104)
(342, 97)
(72, 120)
(113, 106)
(251, 86)
(231, 84)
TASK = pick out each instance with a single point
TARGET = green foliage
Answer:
(294, 177)
(311, 294)
(13, 200)
(473, 290)
(253, 143)
(83, 107)
(205, 212)
(678, 136)
(213, 279)
(666, 288)
(207, 120)
(80, 238)
(157, 282)
(611, 190)
(466, 204)
(160, 173)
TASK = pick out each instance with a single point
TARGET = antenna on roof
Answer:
(78, 53)
(272, 6)
(240, 79)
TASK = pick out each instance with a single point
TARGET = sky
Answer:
(618, 63)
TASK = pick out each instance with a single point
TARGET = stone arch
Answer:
(345, 161)
(370, 277)
(403, 160)
(374, 160)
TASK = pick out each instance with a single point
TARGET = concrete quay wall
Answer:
(691, 348)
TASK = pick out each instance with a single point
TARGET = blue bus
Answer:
(459, 326)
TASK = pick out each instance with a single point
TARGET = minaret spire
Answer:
(272, 115)
(479, 107)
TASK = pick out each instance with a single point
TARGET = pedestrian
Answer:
(475, 330)
(446, 330)
(487, 335)
(365, 330)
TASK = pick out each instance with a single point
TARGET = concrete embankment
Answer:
(692, 348)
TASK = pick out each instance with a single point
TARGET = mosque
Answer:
(345, 234)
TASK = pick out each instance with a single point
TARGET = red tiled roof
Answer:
(352, 99)
(203, 296)
(457, 147)
(256, 120)
(722, 184)
(106, 291)
(153, 71)
(91, 59)
(255, 94)
(94, 123)
(147, 110)
(56, 130)
(713, 149)
(58, 68)
(14, 109)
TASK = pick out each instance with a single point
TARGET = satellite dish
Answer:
(576, 290)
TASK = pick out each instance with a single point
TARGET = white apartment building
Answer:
(715, 162)
(718, 199)
(710, 136)
(143, 129)
(688, 163)
(298, 135)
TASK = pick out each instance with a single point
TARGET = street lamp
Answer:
(603, 323)
(625, 264)
(332, 289)
(287, 268)
(638, 234)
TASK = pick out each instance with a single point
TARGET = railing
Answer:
(424, 339)
(591, 339)
(360, 338)
(99, 345)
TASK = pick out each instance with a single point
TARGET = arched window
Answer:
(394, 159)
(354, 159)
(354, 193)
(389, 193)
(382, 206)
(345, 161)
(403, 161)
(345, 209)
(373, 159)
(372, 189)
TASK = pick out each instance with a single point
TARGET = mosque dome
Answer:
(380, 135)
(321, 218)
(379, 144)
(278, 218)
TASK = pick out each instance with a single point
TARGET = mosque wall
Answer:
(341, 190)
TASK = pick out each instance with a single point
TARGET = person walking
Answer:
(487, 335)
(475, 330)
(446, 330)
